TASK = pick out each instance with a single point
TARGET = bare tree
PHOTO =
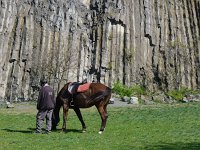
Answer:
(57, 67)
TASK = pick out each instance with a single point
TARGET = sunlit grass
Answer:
(139, 127)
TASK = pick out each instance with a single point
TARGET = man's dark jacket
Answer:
(46, 100)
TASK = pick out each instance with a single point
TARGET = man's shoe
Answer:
(37, 132)
(47, 132)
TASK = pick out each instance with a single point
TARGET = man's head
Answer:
(43, 82)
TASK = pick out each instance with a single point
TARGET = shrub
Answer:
(123, 90)
(138, 90)
(180, 93)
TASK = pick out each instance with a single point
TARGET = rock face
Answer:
(154, 43)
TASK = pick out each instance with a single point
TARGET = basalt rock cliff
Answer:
(152, 43)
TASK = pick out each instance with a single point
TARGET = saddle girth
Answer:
(75, 88)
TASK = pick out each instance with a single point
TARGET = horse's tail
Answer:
(107, 92)
(101, 95)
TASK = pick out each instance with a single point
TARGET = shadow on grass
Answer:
(67, 130)
(174, 146)
(31, 130)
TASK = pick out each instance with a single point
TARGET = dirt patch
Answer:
(24, 107)
(30, 107)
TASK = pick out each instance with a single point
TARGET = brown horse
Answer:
(97, 94)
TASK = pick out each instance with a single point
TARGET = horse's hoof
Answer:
(83, 131)
(53, 128)
(63, 130)
(100, 132)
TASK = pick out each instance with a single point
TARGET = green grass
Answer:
(139, 127)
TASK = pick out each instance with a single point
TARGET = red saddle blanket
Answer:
(83, 87)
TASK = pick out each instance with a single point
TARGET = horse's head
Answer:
(63, 96)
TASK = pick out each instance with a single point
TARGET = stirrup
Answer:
(72, 103)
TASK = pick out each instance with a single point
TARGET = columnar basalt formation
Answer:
(153, 43)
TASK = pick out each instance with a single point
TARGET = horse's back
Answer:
(93, 88)
(99, 86)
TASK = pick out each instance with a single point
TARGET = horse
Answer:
(97, 94)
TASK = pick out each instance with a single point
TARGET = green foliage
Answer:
(130, 55)
(109, 66)
(110, 36)
(177, 43)
(34, 46)
(138, 90)
(124, 90)
(181, 93)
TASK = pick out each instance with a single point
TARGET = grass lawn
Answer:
(140, 127)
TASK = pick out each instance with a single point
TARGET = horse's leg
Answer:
(102, 108)
(106, 113)
(104, 116)
(65, 113)
(78, 113)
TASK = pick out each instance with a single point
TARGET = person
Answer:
(45, 105)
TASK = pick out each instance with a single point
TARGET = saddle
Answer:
(76, 87)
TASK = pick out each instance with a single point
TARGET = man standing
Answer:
(45, 105)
